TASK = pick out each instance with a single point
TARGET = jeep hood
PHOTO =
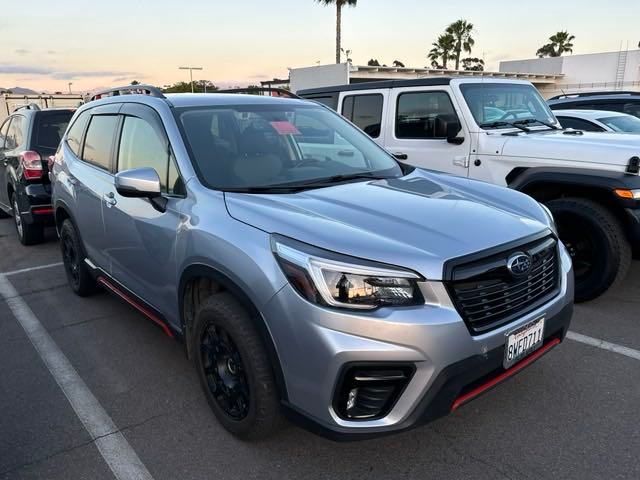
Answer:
(418, 221)
(590, 147)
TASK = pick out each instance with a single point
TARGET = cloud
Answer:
(51, 52)
(16, 69)
(259, 75)
(22, 51)
(19, 69)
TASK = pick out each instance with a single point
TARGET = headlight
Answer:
(552, 221)
(330, 279)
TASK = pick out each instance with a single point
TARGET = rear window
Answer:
(50, 128)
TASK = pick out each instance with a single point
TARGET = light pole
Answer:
(69, 85)
(191, 69)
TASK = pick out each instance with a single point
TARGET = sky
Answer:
(46, 44)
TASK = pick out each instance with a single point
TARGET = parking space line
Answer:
(111, 443)
(611, 347)
(31, 269)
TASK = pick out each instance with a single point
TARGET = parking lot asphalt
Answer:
(574, 414)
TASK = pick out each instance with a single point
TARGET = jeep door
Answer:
(5, 143)
(420, 120)
(140, 237)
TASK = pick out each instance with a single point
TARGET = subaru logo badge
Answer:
(519, 264)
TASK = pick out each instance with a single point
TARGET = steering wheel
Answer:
(507, 115)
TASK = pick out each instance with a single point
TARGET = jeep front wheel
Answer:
(599, 249)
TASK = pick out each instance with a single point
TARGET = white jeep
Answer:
(503, 132)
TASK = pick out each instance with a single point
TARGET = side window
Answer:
(424, 115)
(74, 137)
(143, 145)
(579, 124)
(98, 143)
(632, 108)
(365, 111)
(16, 133)
(3, 132)
(329, 100)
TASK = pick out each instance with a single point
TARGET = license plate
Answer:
(523, 341)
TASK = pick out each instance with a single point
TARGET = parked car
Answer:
(502, 131)
(612, 101)
(27, 138)
(306, 270)
(598, 121)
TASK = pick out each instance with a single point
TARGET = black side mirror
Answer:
(453, 128)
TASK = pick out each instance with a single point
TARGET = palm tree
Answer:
(442, 50)
(558, 44)
(339, 4)
(461, 31)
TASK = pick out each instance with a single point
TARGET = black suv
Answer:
(27, 138)
(614, 101)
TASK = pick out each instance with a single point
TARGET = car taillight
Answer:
(31, 164)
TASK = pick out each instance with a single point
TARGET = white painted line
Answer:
(112, 445)
(611, 347)
(31, 269)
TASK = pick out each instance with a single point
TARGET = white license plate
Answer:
(523, 341)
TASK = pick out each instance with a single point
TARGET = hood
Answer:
(418, 221)
(590, 147)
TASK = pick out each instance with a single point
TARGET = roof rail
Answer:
(594, 94)
(129, 90)
(30, 106)
(279, 92)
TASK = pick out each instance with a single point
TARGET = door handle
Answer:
(401, 156)
(462, 161)
(110, 199)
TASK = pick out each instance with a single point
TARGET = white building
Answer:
(583, 73)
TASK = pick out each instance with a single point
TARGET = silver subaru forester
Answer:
(308, 273)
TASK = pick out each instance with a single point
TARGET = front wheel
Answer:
(234, 369)
(595, 239)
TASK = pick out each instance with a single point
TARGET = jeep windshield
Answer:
(505, 105)
(279, 148)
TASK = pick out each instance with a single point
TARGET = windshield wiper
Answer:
(504, 124)
(529, 121)
(293, 187)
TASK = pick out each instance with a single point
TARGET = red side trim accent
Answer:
(524, 363)
(42, 210)
(136, 305)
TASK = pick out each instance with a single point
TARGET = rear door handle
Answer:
(110, 199)
(401, 156)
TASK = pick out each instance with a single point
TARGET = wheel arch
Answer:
(198, 281)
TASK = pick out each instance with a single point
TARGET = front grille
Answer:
(487, 295)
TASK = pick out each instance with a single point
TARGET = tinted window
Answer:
(330, 100)
(3, 132)
(579, 124)
(74, 137)
(242, 146)
(365, 111)
(98, 143)
(142, 145)
(50, 127)
(424, 115)
(622, 123)
(632, 108)
(16, 133)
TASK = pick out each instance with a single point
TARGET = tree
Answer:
(135, 82)
(347, 53)
(373, 63)
(199, 86)
(442, 50)
(398, 64)
(558, 44)
(473, 64)
(461, 31)
(339, 4)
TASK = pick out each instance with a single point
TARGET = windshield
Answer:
(494, 105)
(261, 146)
(622, 123)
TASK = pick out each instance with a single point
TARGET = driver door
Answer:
(417, 133)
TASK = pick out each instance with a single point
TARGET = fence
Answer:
(9, 102)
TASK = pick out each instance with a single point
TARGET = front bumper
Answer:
(314, 344)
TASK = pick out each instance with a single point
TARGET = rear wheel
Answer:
(595, 239)
(234, 369)
(28, 233)
(78, 274)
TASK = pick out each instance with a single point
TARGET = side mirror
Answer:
(138, 183)
(453, 128)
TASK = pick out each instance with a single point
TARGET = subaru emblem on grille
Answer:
(519, 264)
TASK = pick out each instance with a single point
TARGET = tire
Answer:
(234, 369)
(28, 233)
(78, 275)
(596, 241)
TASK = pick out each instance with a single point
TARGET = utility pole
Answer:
(69, 85)
(191, 69)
